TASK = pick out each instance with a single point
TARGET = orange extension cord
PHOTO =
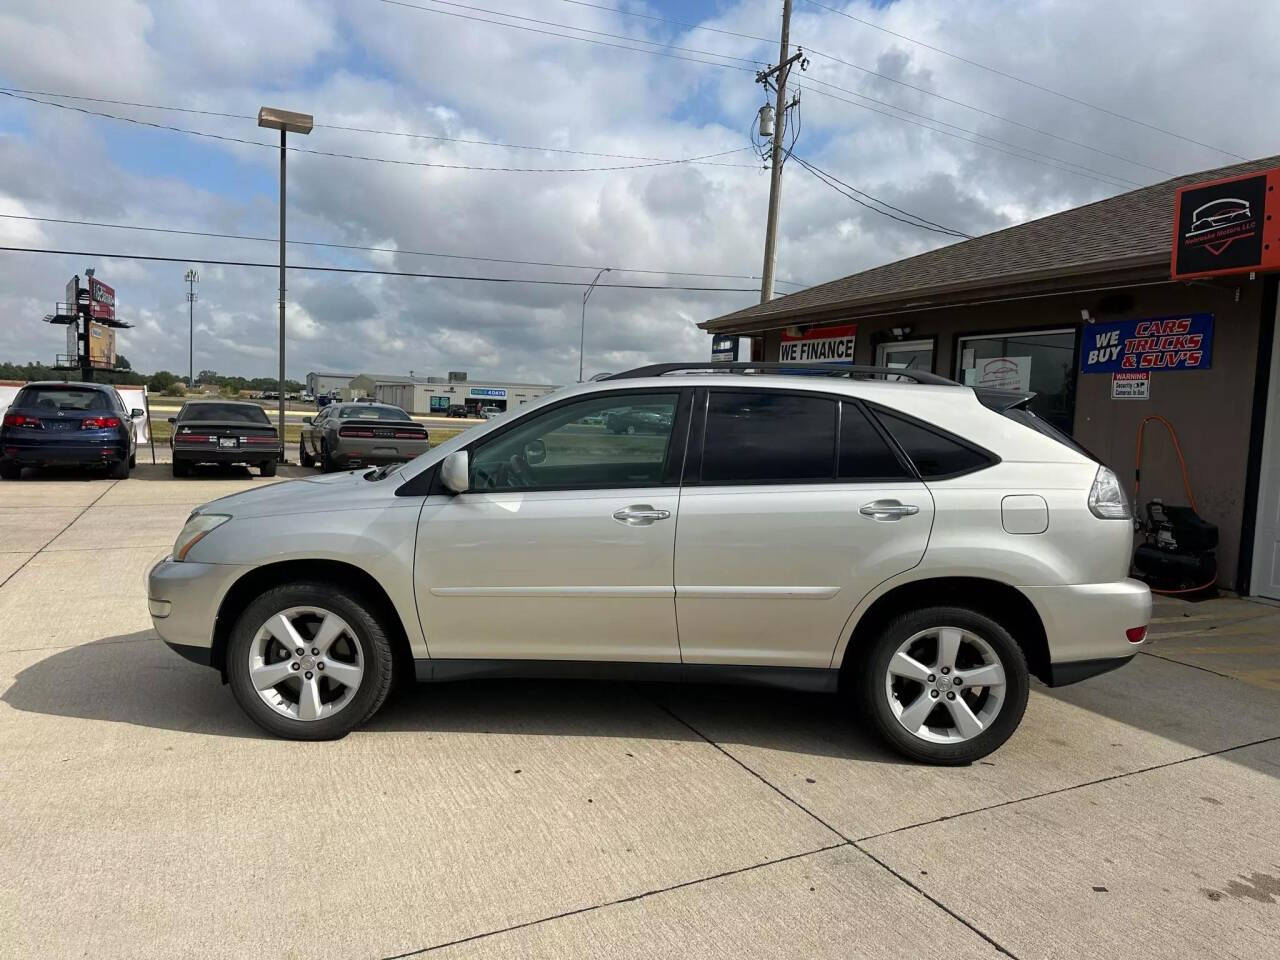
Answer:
(1186, 485)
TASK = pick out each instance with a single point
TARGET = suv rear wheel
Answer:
(309, 661)
(945, 685)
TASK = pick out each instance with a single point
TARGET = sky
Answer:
(891, 116)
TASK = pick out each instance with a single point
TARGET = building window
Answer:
(908, 354)
(1042, 361)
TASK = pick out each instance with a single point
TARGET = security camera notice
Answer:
(1135, 385)
(819, 345)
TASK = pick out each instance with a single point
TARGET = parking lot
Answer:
(1131, 816)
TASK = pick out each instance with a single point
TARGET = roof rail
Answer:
(826, 370)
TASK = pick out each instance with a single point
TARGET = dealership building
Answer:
(1157, 303)
(428, 394)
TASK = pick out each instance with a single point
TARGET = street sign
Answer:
(1223, 226)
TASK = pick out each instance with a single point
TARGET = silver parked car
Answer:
(927, 546)
(360, 434)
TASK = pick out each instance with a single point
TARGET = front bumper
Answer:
(1085, 625)
(191, 593)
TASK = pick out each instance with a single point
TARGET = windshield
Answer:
(370, 411)
(54, 399)
(236, 412)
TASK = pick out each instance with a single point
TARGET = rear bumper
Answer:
(372, 452)
(228, 455)
(19, 450)
(1085, 625)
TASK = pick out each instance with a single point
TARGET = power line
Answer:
(1025, 82)
(985, 136)
(917, 221)
(1053, 166)
(813, 51)
(98, 254)
(389, 133)
(352, 156)
(604, 43)
(351, 246)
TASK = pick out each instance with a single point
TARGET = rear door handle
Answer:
(640, 515)
(889, 510)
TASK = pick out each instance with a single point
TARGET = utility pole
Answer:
(776, 78)
(191, 279)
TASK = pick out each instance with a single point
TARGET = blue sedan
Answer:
(77, 424)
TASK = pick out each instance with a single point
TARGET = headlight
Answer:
(1106, 498)
(198, 526)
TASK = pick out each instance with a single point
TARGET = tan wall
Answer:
(1211, 409)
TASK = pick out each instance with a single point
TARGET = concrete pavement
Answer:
(1131, 816)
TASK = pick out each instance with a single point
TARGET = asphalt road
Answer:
(1133, 816)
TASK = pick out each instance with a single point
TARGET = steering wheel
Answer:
(513, 474)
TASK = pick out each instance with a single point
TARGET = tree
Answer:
(175, 389)
(122, 362)
(207, 376)
(161, 380)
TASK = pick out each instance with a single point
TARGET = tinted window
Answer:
(370, 411)
(933, 454)
(234, 412)
(68, 398)
(864, 454)
(600, 442)
(768, 437)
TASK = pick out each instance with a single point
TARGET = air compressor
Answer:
(1178, 555)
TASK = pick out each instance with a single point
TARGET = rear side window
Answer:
(935, 455)
(864, 453)
(768, 437)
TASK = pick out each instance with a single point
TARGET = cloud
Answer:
(361, 64)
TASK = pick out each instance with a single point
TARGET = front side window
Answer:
(603, 442)
(768, 437)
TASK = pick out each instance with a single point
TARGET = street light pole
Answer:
(582, 339)
(285, 121)
(192, 278)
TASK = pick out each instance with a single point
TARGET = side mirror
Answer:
(173, 419)
(308, 420)
(136, 414)
(455, 472)
(535, 452)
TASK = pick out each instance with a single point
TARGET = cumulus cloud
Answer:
(361, 64)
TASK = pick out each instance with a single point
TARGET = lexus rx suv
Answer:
(922, 545)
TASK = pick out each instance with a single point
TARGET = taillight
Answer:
(99, 423)
(1136, 634)
(410, 435)
(21, 420)
(271, 440)
(194, 438)
(354, 432)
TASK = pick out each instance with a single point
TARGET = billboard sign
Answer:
(102, 300)
(488, 392)
(819, 345)
(102, 345)
(1223, 227)
(1159, 343)
(73, 295)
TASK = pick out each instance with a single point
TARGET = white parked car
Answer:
(924, 545)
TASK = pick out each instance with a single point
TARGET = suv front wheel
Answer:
(309, 661)
(945, 685)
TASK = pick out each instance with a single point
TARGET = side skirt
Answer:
(808, 679)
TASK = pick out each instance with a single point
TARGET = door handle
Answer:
(889, 510)
(640, 515)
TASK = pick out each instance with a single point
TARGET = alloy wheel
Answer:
(306, 663)
(945, 685)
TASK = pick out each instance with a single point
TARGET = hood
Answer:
(334, 491)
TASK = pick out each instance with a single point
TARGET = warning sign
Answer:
(1131, 385)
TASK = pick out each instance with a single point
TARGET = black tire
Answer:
(379, 660)
(874, 695)
(267, 468)
(10, 470)
(181, 468)
(119, 470)
(326, 462)
(304, 458)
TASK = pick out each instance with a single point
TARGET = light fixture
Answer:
(899, 332)
(276, 119)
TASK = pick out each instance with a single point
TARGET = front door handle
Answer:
(889, 510)
(640, 515)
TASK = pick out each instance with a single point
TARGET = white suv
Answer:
(922, 545)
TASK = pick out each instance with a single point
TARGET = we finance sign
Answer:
(1161, 343)
(819, 345)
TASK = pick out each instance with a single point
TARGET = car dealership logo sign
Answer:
(1222, 227)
